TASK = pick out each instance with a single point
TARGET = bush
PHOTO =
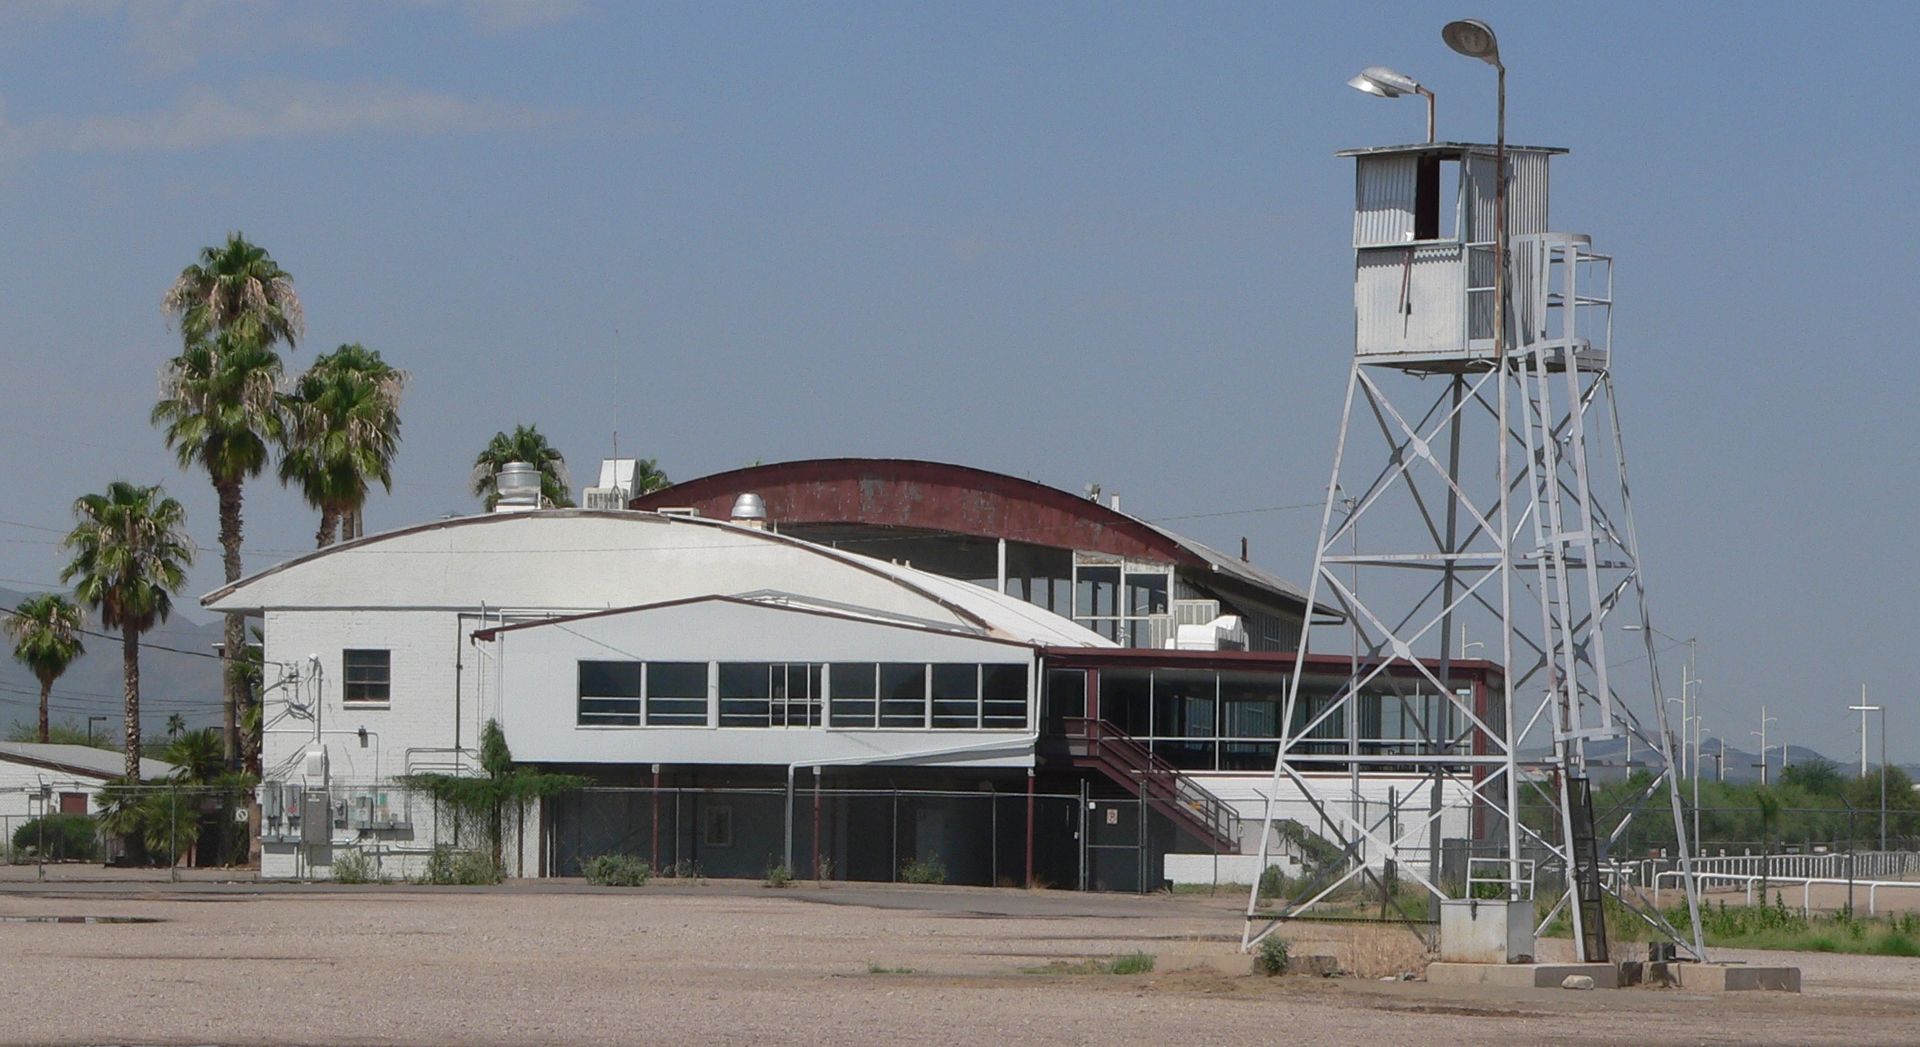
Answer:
(1272, 957)
(1273, 883)
(58, 837)
(1132, 963)
(448, 867)
(778, 875)
(617, 870)
(933, 870)
(356, 866)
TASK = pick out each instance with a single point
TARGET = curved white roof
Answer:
(582, 560)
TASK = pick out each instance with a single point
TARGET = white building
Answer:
(614, 643)
(37, 778)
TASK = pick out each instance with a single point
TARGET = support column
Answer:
(656, 818)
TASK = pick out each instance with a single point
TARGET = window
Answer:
(956, 696)
(367, 676)
(769, 694)
(854, 689)
(628, 694)
(73, 803)
(746, 694)
(610, 694)
(1003, 696)
(903, 695)
(676, 694)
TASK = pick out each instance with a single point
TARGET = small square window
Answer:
(367, 676)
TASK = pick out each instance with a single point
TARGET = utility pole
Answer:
(1762, 732)
(1863, 708)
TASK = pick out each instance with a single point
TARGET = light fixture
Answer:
(1473, 38)
(1381, 82)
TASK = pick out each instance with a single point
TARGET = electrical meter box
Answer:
(316, 819)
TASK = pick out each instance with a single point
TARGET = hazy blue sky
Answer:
(1074, 242)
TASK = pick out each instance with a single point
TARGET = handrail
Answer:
(1219, 819)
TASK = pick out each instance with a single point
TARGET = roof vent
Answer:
(750, 511)
(518, 485)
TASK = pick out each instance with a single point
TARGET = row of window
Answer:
(885, 695)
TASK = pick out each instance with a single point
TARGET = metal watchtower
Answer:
(1478, 488)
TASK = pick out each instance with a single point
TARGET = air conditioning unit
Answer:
(604, 498)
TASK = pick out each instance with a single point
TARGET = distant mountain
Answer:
(188, 684)
(1611, 759)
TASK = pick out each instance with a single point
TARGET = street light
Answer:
(1381, 82)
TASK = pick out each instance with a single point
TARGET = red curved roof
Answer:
(958, 499)
(935, 496)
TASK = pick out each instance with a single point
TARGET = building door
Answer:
(1065, 696)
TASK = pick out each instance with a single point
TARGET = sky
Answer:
(1074, 242)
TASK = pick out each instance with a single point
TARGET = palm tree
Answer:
(130, 555)
(234, 305)
(647, 477)
(236, 288)
(343, 430)
(219, 407)
(176, 725)
(46, 639)
(525, 444)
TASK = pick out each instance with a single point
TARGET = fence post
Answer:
(993, 839)
(1029, 828)
(816, 823)
(893, 873)
(173, 831)
(656, 817)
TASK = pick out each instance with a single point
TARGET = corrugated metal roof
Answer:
(81, 759)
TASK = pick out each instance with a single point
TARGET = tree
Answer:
(220, 409)
(236, 289)
(524, 444)
(131, 555)
(647, 477)
(46, 639)
(343, 431)
(176, 724)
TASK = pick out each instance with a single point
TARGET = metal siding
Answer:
(1383, 200)
(1433, 289)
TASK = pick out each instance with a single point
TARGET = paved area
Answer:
(738, 963)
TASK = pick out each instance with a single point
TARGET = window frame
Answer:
(348, 682)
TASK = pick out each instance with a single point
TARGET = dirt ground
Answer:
(738, 963)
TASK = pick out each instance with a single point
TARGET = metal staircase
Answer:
(1099, 745)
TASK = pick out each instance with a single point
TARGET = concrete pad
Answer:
(1520, 975)
(1738, 977)
(1203, 956)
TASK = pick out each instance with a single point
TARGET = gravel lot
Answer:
(738, 963)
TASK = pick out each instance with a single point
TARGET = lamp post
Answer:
(1381, 82)
(1474, 39)
(1863, 709)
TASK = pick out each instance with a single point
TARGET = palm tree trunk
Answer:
(130, 666)
(236, 639)
(329, 523)
(46, 691)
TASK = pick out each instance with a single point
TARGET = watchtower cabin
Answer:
(1423, 241)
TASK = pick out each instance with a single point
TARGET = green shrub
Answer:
(933, 870)
(356, 866)
(617, 870)
(1272, 957)
(1274, 884)
(1132, 963)
(778, 875)
(446, 866)
(686, 870)
(58, 837)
